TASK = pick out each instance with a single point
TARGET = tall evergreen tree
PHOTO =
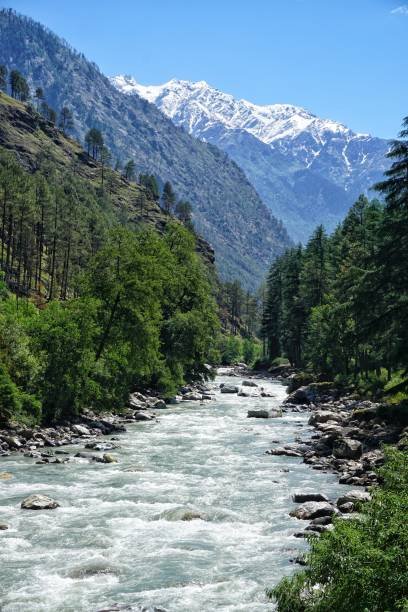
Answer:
(168, 197)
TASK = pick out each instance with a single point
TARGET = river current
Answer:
(119, 537)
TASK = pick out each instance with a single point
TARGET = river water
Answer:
(118, 536)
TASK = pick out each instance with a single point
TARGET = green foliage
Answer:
(118, 308)
(362, 565)
(338, 306)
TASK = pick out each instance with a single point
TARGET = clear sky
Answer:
(342, 59)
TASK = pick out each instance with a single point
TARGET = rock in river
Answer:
(39, 502)
(300, 498)
(229, 389)
(273, 413)
(311, 510)
(249, 383)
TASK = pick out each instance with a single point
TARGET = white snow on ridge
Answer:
(198, 107)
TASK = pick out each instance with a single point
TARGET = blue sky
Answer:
(341, 59)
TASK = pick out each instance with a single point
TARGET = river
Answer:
(118, 536)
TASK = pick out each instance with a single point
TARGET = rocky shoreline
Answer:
(348, 439)
(349, 433)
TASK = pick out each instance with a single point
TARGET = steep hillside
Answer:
(33, 140)
(308, 170)
(227, 210)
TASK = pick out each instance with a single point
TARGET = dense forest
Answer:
(92, 305)
(338, 306)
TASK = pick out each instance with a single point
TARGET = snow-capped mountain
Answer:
(308, 170)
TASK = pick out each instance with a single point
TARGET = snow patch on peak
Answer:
(198, 107)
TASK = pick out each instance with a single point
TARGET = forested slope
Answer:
(227, 210)
(94, 301)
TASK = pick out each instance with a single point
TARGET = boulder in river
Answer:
(3, 526)
(347, 448)
(193, 396)
(300, 498)
(249, 383)
(39, 502)
(263, 413)
(311, 510)
(108, 458)
(143, 416)
(229, 389)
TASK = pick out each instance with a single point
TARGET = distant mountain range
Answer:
(228, 212)
(306, 169)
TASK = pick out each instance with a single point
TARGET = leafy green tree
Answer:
(362, 564)
(18, 86)
(65, 335)
(272, 312)
(94, 142)
(293, 315)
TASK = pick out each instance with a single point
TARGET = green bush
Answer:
(362, 565)
(9, 397)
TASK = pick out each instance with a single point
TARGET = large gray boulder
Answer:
(249, 383)
(347, 448)
(322, 416)
(229, 389)
(311, 510)
(80, 430)
(300, 498)
(193, 396)
(143, 416)
(263, 413)
(39, 502)
(303, 395)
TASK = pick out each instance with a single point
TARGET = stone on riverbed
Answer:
(108, 458)
(300, 498)
(39, 502)
(347, 448)
(143, 416)
(229, 389)
(261, 413)
(193, 396)
(81, 430)
(311, 510)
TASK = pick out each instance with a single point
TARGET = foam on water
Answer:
(194, 517)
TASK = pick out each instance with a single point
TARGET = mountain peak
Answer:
(191, 102)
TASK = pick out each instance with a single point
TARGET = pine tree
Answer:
(168, 197)
(66, 121)
(129, 170)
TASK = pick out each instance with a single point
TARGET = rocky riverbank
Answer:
(348, 439)
(44, 443)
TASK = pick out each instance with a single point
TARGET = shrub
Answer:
(362, 565)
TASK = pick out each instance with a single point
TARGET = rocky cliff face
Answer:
(308, 170)
(227, 210)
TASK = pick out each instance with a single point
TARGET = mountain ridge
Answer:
(307, 169)
(228, 212)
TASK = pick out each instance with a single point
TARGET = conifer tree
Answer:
(168, 197)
